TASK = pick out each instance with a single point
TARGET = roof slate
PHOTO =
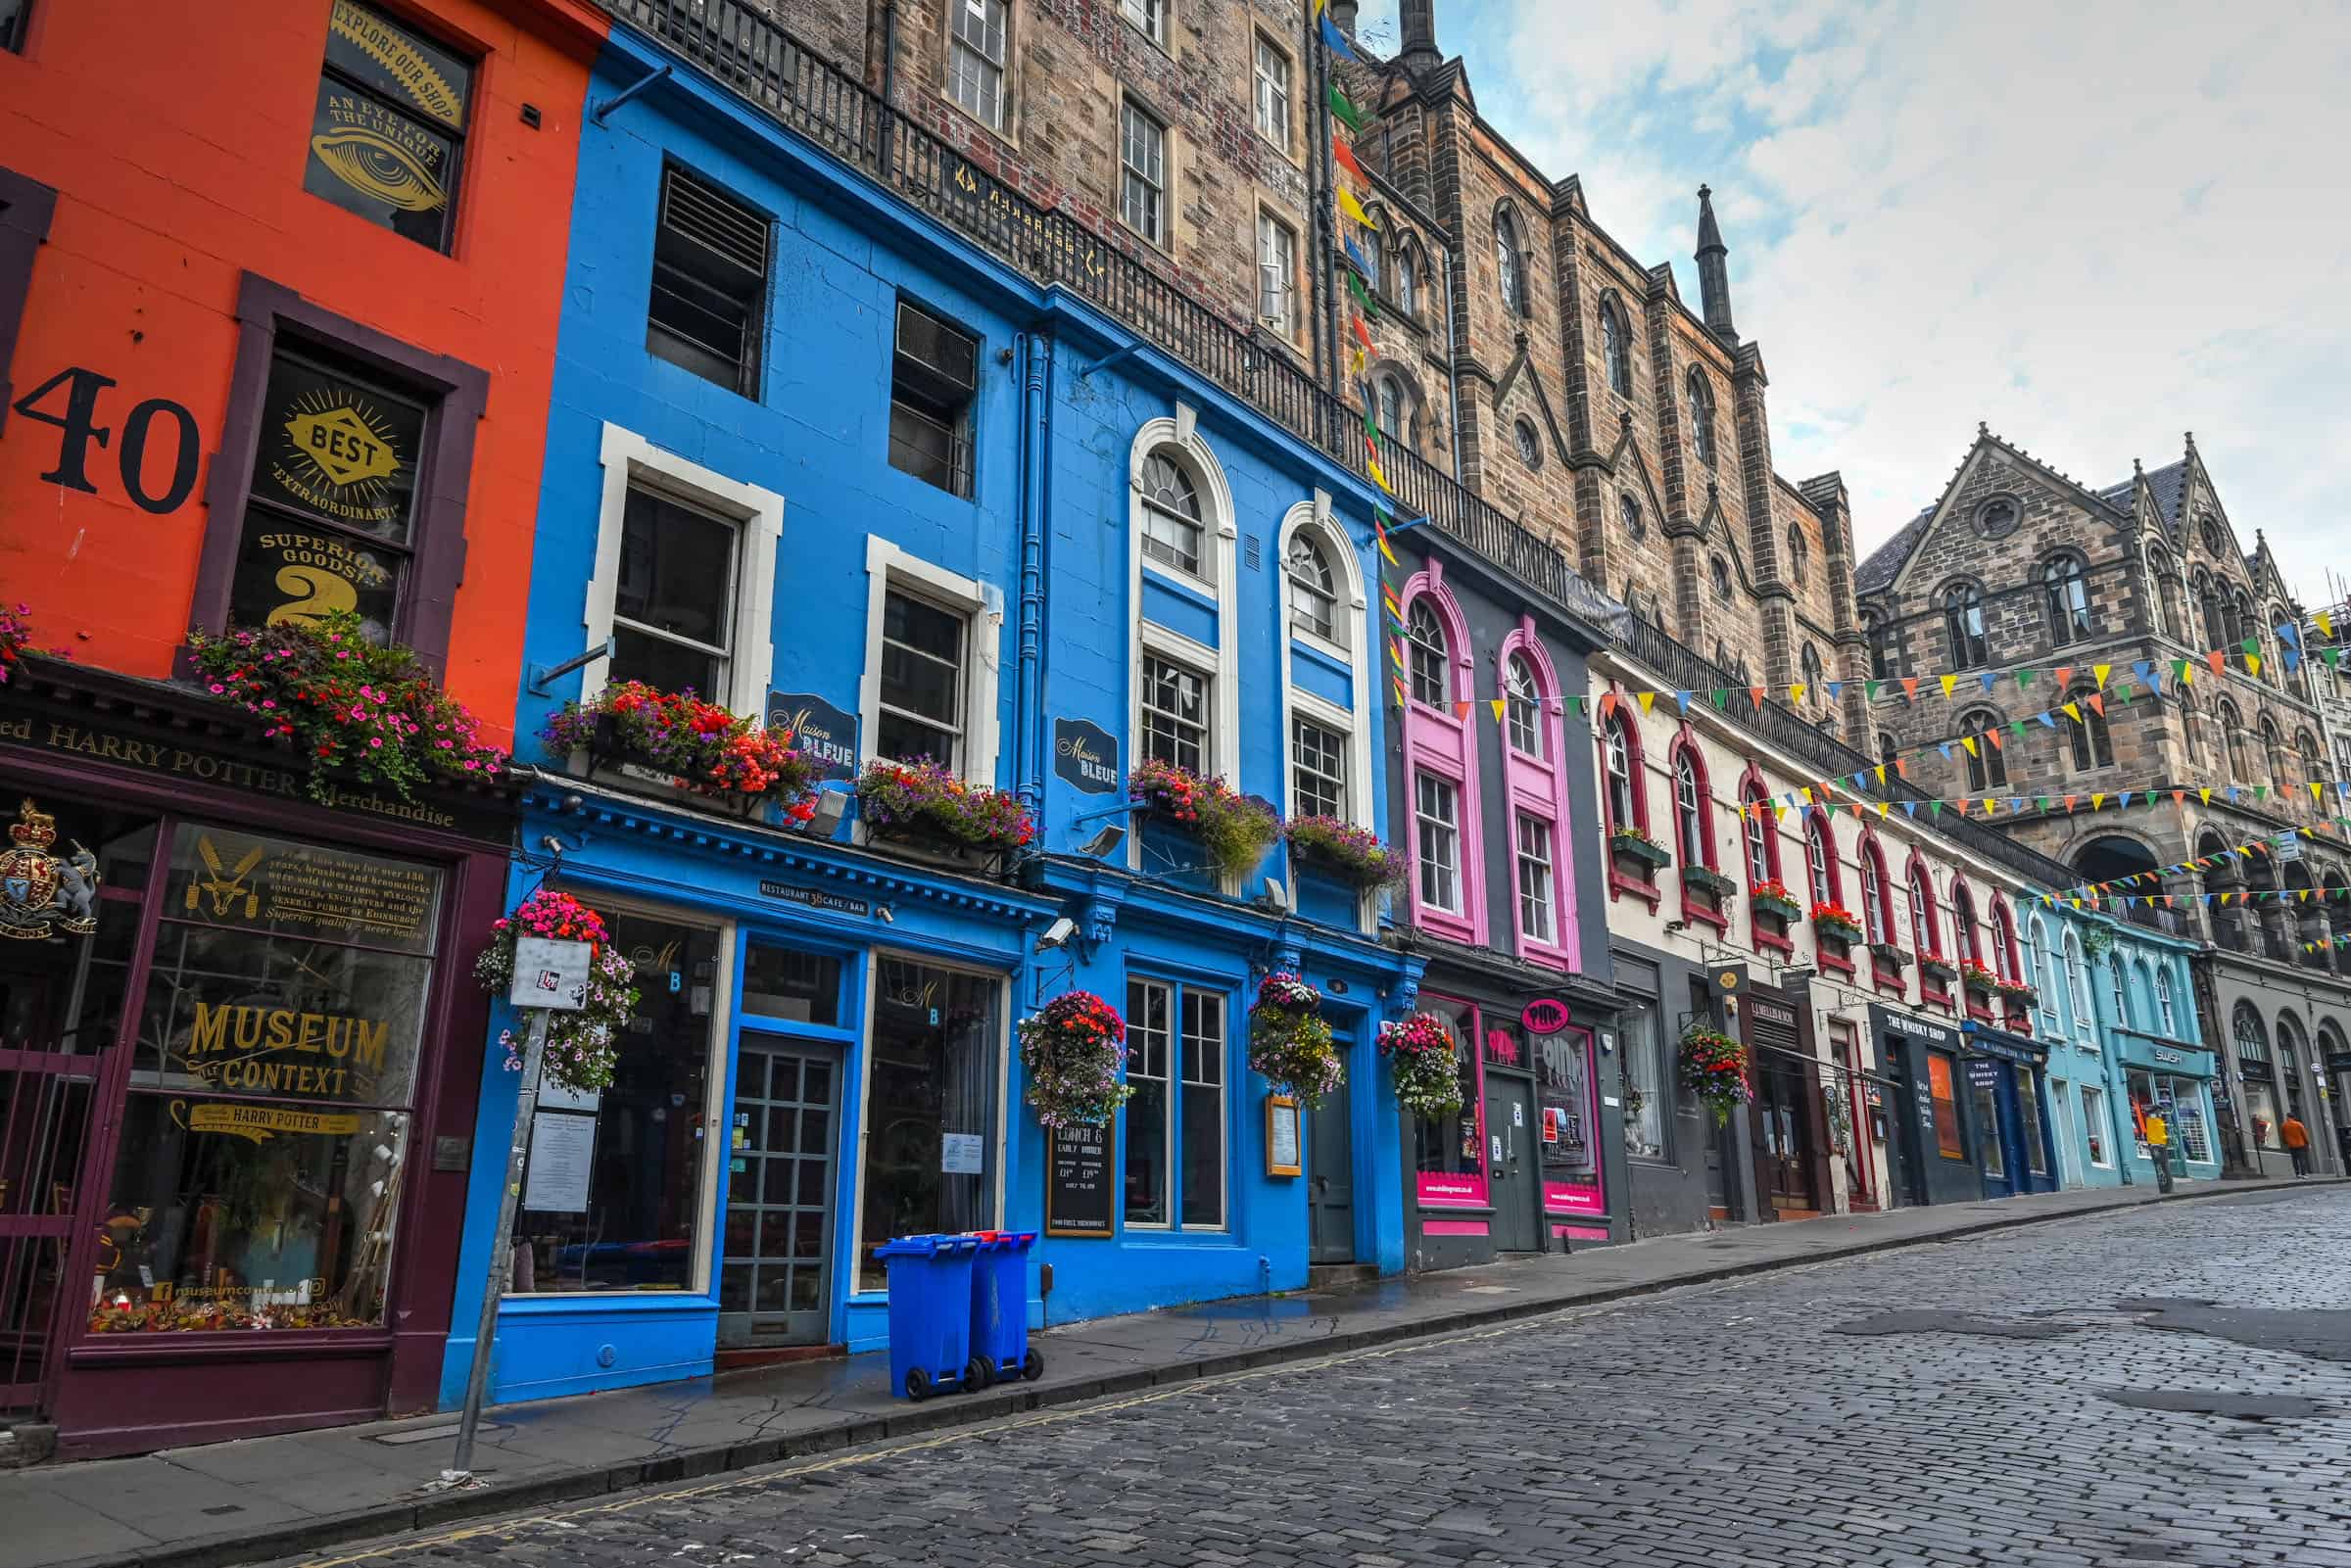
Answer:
(1887, 559)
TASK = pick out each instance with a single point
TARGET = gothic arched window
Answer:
(1616, 348)
(1987, 764)
(1963, 625)
(2065, 598)
(1509, 263)
(1701, 417)
(1432, 655)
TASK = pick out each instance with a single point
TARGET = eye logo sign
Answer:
(375, 164)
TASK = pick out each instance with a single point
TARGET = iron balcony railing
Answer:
(751, 53)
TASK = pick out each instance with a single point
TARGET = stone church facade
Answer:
(2020, 567)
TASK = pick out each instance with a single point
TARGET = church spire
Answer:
(1714, 273)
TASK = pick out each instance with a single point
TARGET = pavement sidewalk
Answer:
(247, 1501)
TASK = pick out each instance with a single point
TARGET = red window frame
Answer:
(1694, 906)
(1884, 973)
(1820, 855)
(1970, 944)
(1919, 877)
(1762, 821)
(1620, 720)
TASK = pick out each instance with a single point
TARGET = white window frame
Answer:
(1264, 90)
(1277, 243)
(1523, 860)
(2164, 1014)
(631, 462)
(1179, 994)
(1152, 23)
(2077, 989)
(1354, 720)
(956, 41)
(1154, 648)
(1157, 179)
(982, 604)
(2094, 1120)
(1421, 821)
(1306, 708)
(1523, 706)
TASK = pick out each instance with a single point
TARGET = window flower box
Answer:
(2019, 994)
(1705, 879)
(1774, 898)
(1338, 848)
(1835, 919)
(1234, 830)
(1888, 956)
(1938, 969)
(677, 740)
(1635, 847)
(1980, 980)
(929, 811)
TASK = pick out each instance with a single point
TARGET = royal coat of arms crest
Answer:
(39, 891)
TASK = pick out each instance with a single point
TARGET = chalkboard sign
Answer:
(1077, 1181)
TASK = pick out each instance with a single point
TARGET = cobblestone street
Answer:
(2156, 1386)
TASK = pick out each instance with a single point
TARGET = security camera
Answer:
(1057, 933)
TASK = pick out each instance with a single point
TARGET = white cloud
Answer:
(2093, 226)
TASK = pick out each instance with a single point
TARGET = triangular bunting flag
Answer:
(1346, 155)
(1948, 682)
(1646, 699)
(2099, 672)
(1499, 705)
(1349, 116)
(2097, 703)
(1911, 686)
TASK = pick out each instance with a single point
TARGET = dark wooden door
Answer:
(1783, 1133)
(1514, 1184)
(775, 1286)
(1331, 1179)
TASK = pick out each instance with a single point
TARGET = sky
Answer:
(2093, 227)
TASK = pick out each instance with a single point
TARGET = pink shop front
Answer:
(1534, 1160)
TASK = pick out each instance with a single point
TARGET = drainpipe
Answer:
(890, 53)
(1036, 361)
(1323, 302)
(1453, 370)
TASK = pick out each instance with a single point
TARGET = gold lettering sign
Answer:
(341, 456)
(402, 60)
(261, 1122)
(206, 767)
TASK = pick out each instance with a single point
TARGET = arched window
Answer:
(1370, 249)
(1313, 589)
(1826, 881)
(1523, 694)
(2166, 581)
(1926, 932)
(1616, 348)
(2165, 1019)
(1986, 762)
(2037, 971)
(1701, 417)
(1172, 529)
(1431, 657)
(2122, 993)
(1720, 571)
(1881, 649)
(1808, 665)
(2305, 749)
(2232, 736)
(1408, 281)
(2192, 723)
(2214, 611)
(1963, 924)
(1762, 834)
(1628, 507)
(1509, 263)
(2093, 746)
(2003, 941)
(2065, 598)
(1388, 406)
(1798, 555)
(1693, 814)
(1620, 763)
(1963, 625)
(2252, 1039)
(2272, 750)
(2076, 983)
(1877, 907)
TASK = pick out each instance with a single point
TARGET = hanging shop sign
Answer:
(39, 889)
(818, 729)
(1087, 755)
(1545, 1015)
(1079, 1191)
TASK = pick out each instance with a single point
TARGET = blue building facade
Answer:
(819, 461)
(2116, 1011)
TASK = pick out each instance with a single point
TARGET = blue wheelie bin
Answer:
(930, 1314)
(1000, 1306)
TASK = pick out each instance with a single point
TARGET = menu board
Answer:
(1077, 1181)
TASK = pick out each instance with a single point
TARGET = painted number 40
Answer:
(77, 389)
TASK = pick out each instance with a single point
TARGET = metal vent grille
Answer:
(1253, 551)
(715, 221)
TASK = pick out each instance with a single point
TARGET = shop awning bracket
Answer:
(542, 677)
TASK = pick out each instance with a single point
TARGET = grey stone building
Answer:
(2019, 567)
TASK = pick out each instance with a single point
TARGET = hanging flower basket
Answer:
(1339, 848)
(581, 1045)
(698, 745)
(1071, 1049)
(1708, 880)
(1289, 1043)
(1713, 1070)
(349, 708)
(1234, 830)
(1774, 898)
(1835, 919)
(928, 800)
(16, 639)
(1425, 1065)
(1631, 843)
(1979, 979)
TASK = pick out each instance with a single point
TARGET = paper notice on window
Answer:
(554, 1096)
(959, 1153)
(562, 1157)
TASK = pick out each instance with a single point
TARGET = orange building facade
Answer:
(278, 306)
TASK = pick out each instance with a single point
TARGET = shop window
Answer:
(709, 291)
(1175, 1116)
(388, 135)
(2028, 1104)
(264, 1140)
(933, 1066)
(1449, 1148)
(1318, 770)
(2093, 1126)
(1984, 1097)
(934, 379)
(1174, 715)
(786, 982)
(1570, 1115)
(1646, 1105)
(672, 621)
(632, 1216)
(1943, 1091)
(2186, 1108)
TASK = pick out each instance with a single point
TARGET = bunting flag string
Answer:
(2249, 849)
